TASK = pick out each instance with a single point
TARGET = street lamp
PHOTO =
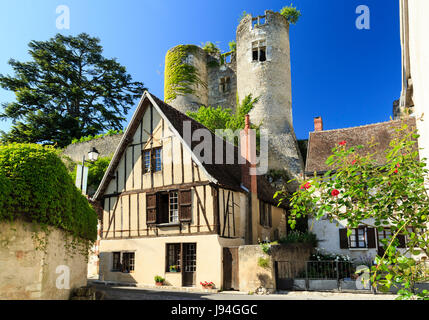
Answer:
(93, 156)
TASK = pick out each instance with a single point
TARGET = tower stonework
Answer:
(185, 78)
(260, 66)
(263, 69)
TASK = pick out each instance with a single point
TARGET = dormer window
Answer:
(259, 50)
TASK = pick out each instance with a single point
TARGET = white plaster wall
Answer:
(418, 11)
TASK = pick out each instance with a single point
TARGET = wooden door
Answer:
(230, 269)
(189, 264)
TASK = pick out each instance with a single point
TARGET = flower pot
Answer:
(159, 284)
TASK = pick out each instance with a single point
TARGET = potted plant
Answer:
(207, 285)
(159, 281)
(174, 268)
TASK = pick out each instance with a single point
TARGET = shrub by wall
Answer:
(40, 190)
(4, 192)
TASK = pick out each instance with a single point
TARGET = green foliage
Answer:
(232, 46)
(42, 191)
(291, 14)
(96, 170)
(358, 189)
(98, 136)
(180, 76)
(68, 90)
(159, 279)
(299, 237)
(211, 48)
(219, 118)
(264, 262)
(4, 193)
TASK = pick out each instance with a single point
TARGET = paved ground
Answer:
(134, 293)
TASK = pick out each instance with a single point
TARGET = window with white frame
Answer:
(173, 207)
(358, 238)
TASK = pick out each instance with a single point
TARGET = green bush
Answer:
(4, 193)
(159, 279)
(299, 237)
(96, 170)
(264, 262)
(42, 191)
(291, 14)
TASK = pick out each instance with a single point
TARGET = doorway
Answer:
(230, 269)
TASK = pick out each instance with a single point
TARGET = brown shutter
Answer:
(270, 223)
(151, 208)
(261, 213)
(401, 239)
(370, 234)
(185, 205)
(344, 241)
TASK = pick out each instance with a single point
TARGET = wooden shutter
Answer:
(401, 239)
(270, 219)
(151, 208)
(185, 205)
(370, 234)
(344, 240)
(261, 213)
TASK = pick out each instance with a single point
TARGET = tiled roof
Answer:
(321, 143)
(226, 175)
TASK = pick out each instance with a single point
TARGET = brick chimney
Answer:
(248, 152)
(318, 124)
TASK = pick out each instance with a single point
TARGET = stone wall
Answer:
(252, 276)
(30, 274)
(106, 146)
(226, 99)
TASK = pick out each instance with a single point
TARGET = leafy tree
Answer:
(359, 191)
(224, 118)
(291, 13)
(211, 48)
(68, 90)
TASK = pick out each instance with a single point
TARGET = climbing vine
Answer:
(179, 75)
(42, 192)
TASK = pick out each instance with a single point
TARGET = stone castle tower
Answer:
(260, 66)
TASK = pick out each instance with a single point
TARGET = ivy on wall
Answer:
(98, 136)
(179, 75)
(41, 191)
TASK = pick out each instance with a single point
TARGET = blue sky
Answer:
(350, 77)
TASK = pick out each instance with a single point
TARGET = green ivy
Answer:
(98, 136)
(41, 191)
(96, 170)
(180, 76)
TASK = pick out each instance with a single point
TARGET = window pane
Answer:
(146, 161)
(157, 160)
(174, 207)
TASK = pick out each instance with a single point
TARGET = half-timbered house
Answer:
(168, 211)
